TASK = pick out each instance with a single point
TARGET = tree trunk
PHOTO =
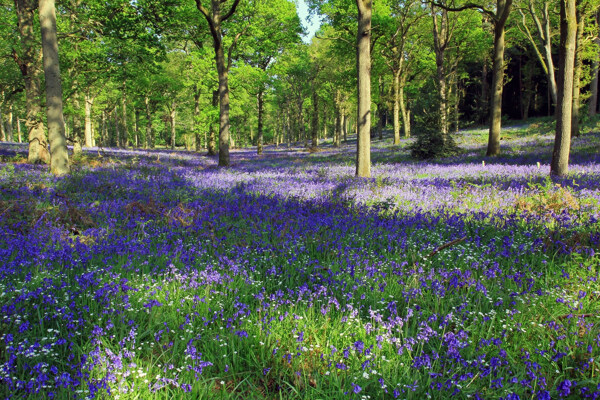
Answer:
(405, 112)
(380, 108)
(223, 107)
(345, 126)
(136, 128)
(211, 132)
(197, 94)
(396, 101)
(59, 157)
(577, 73)
(568, 40)
(440, 43)
(148, 134)
(259, 139)
(172, 116)
(104, 129)
(28, 64)
(125, 141)
(2, 130)
(117, 130)
(337, 132)
(78, 132)
(503, 9)
(315, 119)
(485, 92)
(363, 116)
(548, 56)
(19, 133)
(89, 102)
(593, 104)
(9, 124)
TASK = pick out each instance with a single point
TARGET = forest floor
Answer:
(156, 275)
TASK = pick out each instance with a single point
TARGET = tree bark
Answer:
(78, 132)
(577, 73)
(59, 157)
(148, 134)
(380, 108)
(405, 112)
(28, 65)
(363, 115)
(396, 111)
(214, 18)
(315, 119)
(503, 10)
(197, 94)
(125, 137)
(259, 138)
(593, 104)
(117, 129)
(568, 39)
(136, 128)
(439, 44)
(9, 124)
(172, 116)
(2, 130)
(211, 132)
(19, 133)
(89, 102)
(104, 129)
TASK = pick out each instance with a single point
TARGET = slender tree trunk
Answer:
(568, 41)
(59, 157)
(337, 133)
(104, 129)
(380, 108)
(117, 130)
(363, 115)
(547, 39)
(197, 94)
(396, 101)
(304, 131)
(212, 150)
(93, 136)
(345, 119)
(315, 119)
(89, 102)
(172, 121)
(457, 94)
(405, 112)
(148, 134)
(19, 133)
(503, 10)
(2, 130)
(223, 107)
(9, 124)
(125, 141)
(259, 139)
(136, 128)
(485, 92)
(593, 104)
(440, 43)
(577, 73)
(78, 131)
(28, 64)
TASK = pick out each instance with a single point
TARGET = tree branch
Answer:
(467, 6)
(335, 38)
(231, 10)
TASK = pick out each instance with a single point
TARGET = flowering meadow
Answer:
(157, 275)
